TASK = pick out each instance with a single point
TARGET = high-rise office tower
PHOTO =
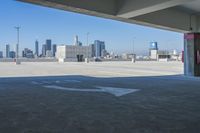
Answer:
(76, 40)
(44, 49)
(99, 47)
(12, 54)
(36, 48)
(1, 54)
(54, 50)
(48, 45)
(7, 51)
(93, 50)
(103, 46)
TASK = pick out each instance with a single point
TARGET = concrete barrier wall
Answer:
(29, 60)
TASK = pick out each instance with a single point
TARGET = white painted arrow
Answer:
(57, 82)
(111, 90)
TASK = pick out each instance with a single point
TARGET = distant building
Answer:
(27, 53)
(127, 56)
(49, 53)
(160, 54)
(12, 54)
(163, 55)
(1, 54)
(99, 47)
(80, 44)
(104, 53)
(153, 46)
(74, 53)
(77, 42)
(175, 55)
(153, 50)
(54, 50)
(154, 54)
(36, 48)
(7, 51)
(48, 44)
(93, 50)
(44, 49)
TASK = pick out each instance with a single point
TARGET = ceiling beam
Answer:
(133, 8)
(172, 18)
(100, 6)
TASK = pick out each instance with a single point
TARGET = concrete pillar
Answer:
(192, 54)
(133, 58)
(17, 61)
(86, 60)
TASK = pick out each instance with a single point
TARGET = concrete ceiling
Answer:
(176, 15)
(193, 6)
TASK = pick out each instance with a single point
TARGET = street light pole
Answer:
(133, 45)
(87, 60)
(17, 46)
(133, 58)
(87, 37)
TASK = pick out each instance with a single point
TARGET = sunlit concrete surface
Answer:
(104, 97)
(98, 69)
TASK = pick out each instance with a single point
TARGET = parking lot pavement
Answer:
(94, 69)
(161, 104)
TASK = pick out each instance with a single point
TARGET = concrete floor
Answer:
(95, 69)
(166, 101)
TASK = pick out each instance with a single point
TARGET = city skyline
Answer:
(48, 49)
(38, 47)
(40, 23)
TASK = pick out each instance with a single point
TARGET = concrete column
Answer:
(192, 54)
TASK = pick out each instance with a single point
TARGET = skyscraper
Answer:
(44, 49)
(54, 50)
(99, 47)
(93, 50)
(76, 40)
(12, 54)
(48, 45)
(36, 48)
(7, 51)
(1, 54)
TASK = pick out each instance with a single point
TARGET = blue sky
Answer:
(43, 23)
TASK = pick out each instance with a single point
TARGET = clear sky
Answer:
(42, 23)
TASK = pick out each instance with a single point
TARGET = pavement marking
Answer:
(74, 81)
(46, 82)
(35, 83)
(57, 81)
(118, 92)
(53, 82)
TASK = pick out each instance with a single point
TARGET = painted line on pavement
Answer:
(118, 92)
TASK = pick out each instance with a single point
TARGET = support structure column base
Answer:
(192, 54)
